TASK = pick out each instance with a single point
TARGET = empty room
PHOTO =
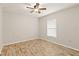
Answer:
(39, 29)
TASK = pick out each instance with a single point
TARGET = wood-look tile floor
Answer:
(37, 47)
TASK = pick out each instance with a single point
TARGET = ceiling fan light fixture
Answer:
(36, 10)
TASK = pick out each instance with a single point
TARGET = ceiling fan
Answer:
(36, 8)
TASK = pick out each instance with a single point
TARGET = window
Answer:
(51, 27)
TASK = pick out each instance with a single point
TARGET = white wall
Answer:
(67, 27)
(0, 27)
(18, 26)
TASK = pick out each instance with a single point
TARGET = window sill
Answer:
(51, 36)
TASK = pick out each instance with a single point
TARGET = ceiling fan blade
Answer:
(30, 7)
(28, 4)
(39, 12)
(32, 11)
(42, 8)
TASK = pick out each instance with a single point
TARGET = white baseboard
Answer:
(47, 39)
(62, 45)
(32, 38)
